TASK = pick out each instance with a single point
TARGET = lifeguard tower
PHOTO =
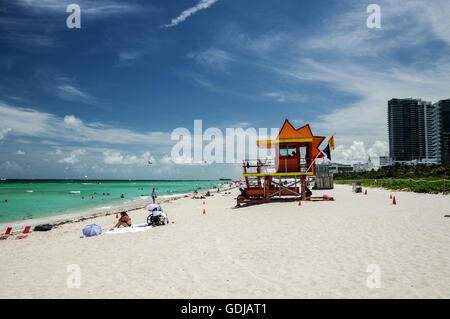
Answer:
(285, 176)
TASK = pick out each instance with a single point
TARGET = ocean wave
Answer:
(30, 191)
(75, 192)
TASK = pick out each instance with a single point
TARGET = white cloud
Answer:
(356, 152)
(10, 167)
(74, 157)
(279, 97)
(112, 158)
(213, 57)
(18, 30)
(126, 56)
(203, 4)
(71, 93)
(116, 158)
(259, 44)
(98, 8)
(20, 152)
(28, 122)
(4, 131)
(72, 120)
(379, 148)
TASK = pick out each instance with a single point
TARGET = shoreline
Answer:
(92, 213)
(78, 216)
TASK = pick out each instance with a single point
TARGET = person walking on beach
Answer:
(154, 195)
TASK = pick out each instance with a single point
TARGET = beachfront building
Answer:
(419, 131)
(363, 167)
(441, 131)
(410, 126)
(385, 161)
(340, 168)
(334, 168)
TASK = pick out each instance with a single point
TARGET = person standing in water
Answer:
(154, 195)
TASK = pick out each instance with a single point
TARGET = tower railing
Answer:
(270, 166)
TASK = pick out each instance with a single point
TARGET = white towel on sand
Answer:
(131, 229)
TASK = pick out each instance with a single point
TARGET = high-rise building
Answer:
(441, 131)
(410, 125)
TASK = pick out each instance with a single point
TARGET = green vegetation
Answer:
(414, 178)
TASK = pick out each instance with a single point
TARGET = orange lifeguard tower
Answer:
(295, 153)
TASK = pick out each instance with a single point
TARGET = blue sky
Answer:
(101, 100)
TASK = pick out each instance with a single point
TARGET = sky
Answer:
(102, 100)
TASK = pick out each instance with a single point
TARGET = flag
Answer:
(327, 152)
(331, 142)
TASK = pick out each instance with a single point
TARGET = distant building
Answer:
(441, 132)
(363, 167)
(385, 161)
(335, 168)
(411, 128)
(339, 168)
(323, 168)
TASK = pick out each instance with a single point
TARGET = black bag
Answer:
(45, 227)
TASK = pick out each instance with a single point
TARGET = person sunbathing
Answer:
(124, 221)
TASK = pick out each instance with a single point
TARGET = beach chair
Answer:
(7, 234)
(25, 232)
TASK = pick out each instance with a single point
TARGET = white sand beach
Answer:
(276, 250)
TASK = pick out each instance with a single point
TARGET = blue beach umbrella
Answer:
(92, 230)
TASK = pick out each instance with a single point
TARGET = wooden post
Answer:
(245, 172)
(303, 187)
(268, 181)
(295, 185)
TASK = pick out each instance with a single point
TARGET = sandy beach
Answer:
(276, 250)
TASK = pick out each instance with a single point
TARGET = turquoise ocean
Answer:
(30, 199)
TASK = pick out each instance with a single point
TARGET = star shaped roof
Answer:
(288, 134)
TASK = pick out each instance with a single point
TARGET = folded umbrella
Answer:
(92, 230)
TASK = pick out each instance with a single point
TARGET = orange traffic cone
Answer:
(394, 201)
(390, 197)
(365, 193)
(299, 203)
(117, 216)
(204, 211)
